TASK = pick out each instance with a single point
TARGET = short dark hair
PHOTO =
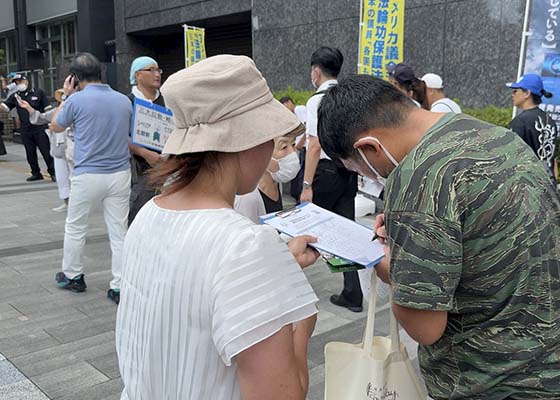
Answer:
(86, 67)
(328, 59)
(285, 99)
(357, 104)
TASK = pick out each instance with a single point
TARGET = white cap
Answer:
(433, 81)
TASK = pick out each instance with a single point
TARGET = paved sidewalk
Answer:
(60, 345)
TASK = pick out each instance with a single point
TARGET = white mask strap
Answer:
(389, 156)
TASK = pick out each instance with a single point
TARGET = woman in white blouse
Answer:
(212, 305)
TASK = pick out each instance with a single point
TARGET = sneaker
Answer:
(53, 178)
(33, 178)
(61, 208)
(340, 301)
(115, 295)
(78, 284)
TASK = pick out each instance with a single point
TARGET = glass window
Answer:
(58, 40)
(55, 31)
(3, 57)
(69, 39)
(56, 53)
(42, 32)
(7, 57)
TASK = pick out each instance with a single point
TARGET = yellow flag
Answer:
(381, 36)
(195, 50)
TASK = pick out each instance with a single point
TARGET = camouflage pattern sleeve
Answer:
(426, 260)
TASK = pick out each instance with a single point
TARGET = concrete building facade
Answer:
(39, 37)
(473, 44)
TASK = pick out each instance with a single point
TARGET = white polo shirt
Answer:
(312, 108)
(301, 113)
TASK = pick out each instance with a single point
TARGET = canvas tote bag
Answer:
(376, 369)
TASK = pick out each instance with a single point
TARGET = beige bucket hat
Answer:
(223, 104)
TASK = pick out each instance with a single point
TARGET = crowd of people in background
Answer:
(208, 297)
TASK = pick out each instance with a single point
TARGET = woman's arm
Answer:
(35, 116)
(276, 368)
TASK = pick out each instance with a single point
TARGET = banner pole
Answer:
(523, 49)
(185, 27)
(360, 34)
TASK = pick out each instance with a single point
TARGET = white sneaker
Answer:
(61, 208)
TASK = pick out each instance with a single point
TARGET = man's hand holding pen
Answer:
(380, 233)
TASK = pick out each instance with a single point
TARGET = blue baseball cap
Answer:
(530, 82)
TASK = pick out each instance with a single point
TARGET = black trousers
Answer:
(334, 189)
(32, 141)
(2, 147)
(140, 190)
(297, 183)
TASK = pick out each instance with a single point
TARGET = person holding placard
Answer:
(217, 306)
(145, 78)
(472, 227)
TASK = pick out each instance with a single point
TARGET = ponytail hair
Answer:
(546, 94)
(418, 88)
(537, 98)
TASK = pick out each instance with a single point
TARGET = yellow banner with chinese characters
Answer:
(195, 50)
(381, 36)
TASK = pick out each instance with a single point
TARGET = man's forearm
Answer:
(4, 107)
(311, 161)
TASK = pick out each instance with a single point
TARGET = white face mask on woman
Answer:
(22, 87)
(288, 168)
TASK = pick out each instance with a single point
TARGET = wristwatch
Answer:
(306, 185)
(63, 97)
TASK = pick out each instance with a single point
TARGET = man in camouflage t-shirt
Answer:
(474, 235)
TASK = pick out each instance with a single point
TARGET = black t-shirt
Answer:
(143, 165)
(270, 205)
(539, 131)
(36, 99)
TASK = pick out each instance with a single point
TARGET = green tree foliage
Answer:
(299, 97)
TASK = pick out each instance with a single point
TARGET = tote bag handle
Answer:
(370, 325)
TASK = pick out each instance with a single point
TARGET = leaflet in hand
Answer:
(336, 235)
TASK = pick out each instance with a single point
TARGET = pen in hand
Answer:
(379, 223)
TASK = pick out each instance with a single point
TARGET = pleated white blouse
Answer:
(198, 288)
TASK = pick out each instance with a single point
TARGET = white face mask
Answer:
(381, 179)
(313, 81)
(22, 87)
(288, 168)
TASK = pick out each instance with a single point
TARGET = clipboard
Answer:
(336, 235)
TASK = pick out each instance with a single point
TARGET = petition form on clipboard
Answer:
(336, 235)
